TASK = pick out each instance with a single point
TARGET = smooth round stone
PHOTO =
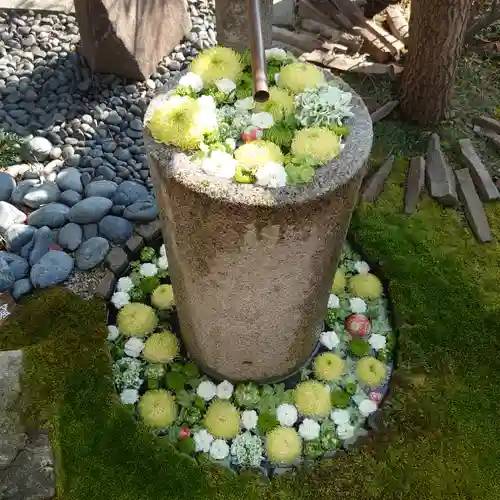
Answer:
(104, 188)
(21, 288)
(18, 235)
(142, 211)
(91, 253)
(70, 236)
(7, 279)
(53, 268)
(106, 171)
(117, 210)
(17, 264)
(70, 178)
(9, 215)
(19, 192)
(47, 192)
(70, 197)
(7, 185)
(129, 192)
(90, 231)
(42, 243)
(52, 215)
(36, 149)
(90, 210)
(115, 229)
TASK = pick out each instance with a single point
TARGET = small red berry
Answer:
(184, 433)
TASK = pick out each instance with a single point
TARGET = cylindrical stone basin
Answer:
(252, 267)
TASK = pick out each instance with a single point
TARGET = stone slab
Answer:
(492, 136)
(472, 206)
(487, 123)
(484, 184)
(397, 22)
(284, 12)
(106, 286)
(134, 245)
(439, 175)
(117, 261)
(65, 6)
(415, 180)
(375, 183)
(150, 231)
(384, 111)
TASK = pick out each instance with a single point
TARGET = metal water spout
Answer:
(259, 70)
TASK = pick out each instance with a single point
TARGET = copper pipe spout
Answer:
(259, 71)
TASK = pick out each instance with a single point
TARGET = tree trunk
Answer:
(437, 29)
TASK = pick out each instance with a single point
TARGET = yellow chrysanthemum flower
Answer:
(299, 76)
(258, 153)
(319, 142)
(280, 104)
(217, 63)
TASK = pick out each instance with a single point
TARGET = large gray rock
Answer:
(17, 236)
(42, 194)
(129, 192)
(53, 268)
(36, 149)
(21, 288)
(7, 185)
(70, 197)
(70, 236)
(90, 231)
(115, 229)
(90, 210)
(70, 178)
(91, 253)
(42, 243)
(21, 189)
(17, 264)
(52, 215)
(142, 211)
(7, 279)
(9, 215)
(110, 31)
(104, 188)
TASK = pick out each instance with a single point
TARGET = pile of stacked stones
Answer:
(84, 178)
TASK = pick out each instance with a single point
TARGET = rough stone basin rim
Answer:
(252, 267)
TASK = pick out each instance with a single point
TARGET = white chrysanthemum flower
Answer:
(333, 301)
(287, 415)
(345, 431)
(249, 419)
(219, 449)
(120, 299)
(225, 85)
(124, 284)
(207, 103)
(367, 407)
(133, 347)
(262, 120)
(271, 175)
(275, 54)
(219, 164)
(129, 396)
(357, 305)
(244, 105)
(113, 332)
(163, 250)
(377, 341)
(206, 390)
(330, 340)
(340, 417)
(362, 267)
(202, 440)
(309, 429)
(231, 143)
(225, 390)
(191, 80)
(162, 262)
(148, 269)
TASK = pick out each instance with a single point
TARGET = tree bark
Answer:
(437, 29)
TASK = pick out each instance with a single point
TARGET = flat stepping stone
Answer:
(440, 179)
(487, 123)
(375, 183)
(492, 136)
(472, 206)
(384, 111)
(480, 175)
(415, 180)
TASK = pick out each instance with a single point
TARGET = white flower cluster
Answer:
(247, 450)
(322, 106)
(127, 373)
(121, 296)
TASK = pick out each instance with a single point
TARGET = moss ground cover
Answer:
(438, 438)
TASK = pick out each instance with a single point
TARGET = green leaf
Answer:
(184, 398)
(175, 381)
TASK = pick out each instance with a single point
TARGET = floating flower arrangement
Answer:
(212, 116)
(313, 414)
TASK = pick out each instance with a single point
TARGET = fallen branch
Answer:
(483, 22)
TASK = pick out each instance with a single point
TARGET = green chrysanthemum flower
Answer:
(217, 63)
(161, 348)
(283, 445)
(257, 153)
(328, 366)
(371, 371)
(319, 142)
(222, 420)
(157, 408)
(366, 286)
(280, 104)
(175, 122)
(312, 399)
(299, 76)
(163, 297)
(136, 320)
